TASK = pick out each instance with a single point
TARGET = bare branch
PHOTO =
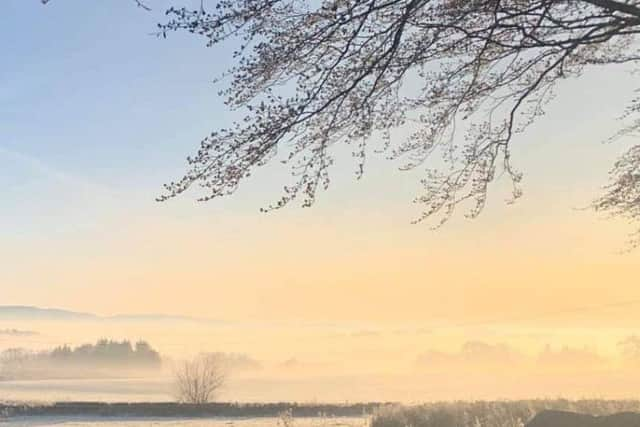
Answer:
(630, 9)
(311, 77)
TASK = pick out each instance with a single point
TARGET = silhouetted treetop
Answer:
(106, 352)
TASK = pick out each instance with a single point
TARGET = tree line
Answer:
(105, 356)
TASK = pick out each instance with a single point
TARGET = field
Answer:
(182, 422)
(490, 414)
(445, 414)
(172, 414)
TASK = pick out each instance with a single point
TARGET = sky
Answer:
(96, 113)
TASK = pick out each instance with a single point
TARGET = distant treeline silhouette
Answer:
(105, 357)
(106, 352)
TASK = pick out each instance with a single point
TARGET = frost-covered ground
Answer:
(176, 422)
(318, 388)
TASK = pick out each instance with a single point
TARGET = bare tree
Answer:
(312, 75)
(197, 381)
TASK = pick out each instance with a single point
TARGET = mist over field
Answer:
(72, 357)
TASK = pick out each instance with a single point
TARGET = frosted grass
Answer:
(180, 422)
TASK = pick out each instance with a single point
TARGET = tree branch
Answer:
(628, 9)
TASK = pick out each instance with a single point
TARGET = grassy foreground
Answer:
(445, 414)
(489, 414)
(230, 410)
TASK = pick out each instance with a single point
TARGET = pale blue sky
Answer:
(89, 97)
(96, 113)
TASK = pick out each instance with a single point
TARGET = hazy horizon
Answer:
(346, 300)
(354, 362)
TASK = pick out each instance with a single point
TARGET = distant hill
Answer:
(156, 318)
(25, 312)
(17, 332)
